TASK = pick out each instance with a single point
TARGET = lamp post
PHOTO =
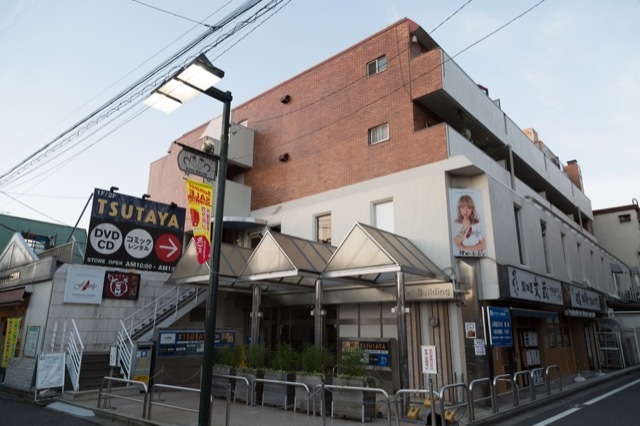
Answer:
(167, 97)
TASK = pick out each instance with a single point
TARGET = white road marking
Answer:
(592, 401)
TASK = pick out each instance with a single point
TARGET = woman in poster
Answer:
(469, 236)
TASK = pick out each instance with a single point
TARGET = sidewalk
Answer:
(164, 411)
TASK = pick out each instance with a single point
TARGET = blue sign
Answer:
(500, 326)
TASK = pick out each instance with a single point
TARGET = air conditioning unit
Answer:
(586, 283)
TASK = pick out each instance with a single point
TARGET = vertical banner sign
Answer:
(199, 196)
(500, 326)
(429, 360)
(10, 341)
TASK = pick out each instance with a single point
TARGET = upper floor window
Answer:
(377, 66)
(624, 218)
(379, 133)
(383, 216)
(323, 228)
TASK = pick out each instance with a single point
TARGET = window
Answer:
(624, 218)
(580, 264)
(545, 246)
(39, 243)
(383, 216)
(516, 214)
(377, 66)
(323, 228)
(563, 242)
(379, 133)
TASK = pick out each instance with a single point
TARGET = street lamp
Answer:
(199, 77)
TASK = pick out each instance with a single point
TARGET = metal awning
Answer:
(190, 272)
(283, 259)
(375, 256)
(12, 297)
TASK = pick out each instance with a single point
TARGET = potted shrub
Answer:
(255, 357)
(284, 361)
(348, 403)
(315, 361)
(225, 364)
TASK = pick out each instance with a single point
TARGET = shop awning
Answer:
(12, 297)
(533, 313)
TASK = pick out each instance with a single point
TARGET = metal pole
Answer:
(204, 411)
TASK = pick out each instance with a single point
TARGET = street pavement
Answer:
(180, 409)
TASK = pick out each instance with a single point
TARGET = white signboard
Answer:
(50, 370)
(84, 285)
(479, 347)
(536, 288)
(429, 360)
(584, 299)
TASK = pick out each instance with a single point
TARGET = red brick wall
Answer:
(324, 126)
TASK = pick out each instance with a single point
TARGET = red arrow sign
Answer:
(168, 248)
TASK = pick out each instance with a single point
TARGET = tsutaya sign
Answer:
(440, 291)
(134, 233)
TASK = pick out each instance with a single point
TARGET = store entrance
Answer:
(295, 325)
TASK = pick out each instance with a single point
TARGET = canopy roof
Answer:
(190, 272)
(367, 256)
(375, 256)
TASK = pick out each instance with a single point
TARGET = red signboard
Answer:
(121, 285)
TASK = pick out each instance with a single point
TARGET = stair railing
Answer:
(75, 349)
(125, 351)
(168, 300)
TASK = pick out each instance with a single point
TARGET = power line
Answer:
(143, 85)
(450, 16)
(174, 14)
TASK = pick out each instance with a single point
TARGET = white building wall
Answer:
(36, 314)
(98, 324)
(620, 238)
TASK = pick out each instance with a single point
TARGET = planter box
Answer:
(219, 385)
(277, 395)
(241, 386)
(313, 401)
(353, 404)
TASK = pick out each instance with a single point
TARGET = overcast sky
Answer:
(570, 69)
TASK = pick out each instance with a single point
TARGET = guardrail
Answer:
(445, 404)
(109, 394)
(471, 400)
(354, 388)
(284, 383)
(151, 403)
(236, 378)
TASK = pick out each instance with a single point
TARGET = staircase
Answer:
(86, 369)
(162, 312)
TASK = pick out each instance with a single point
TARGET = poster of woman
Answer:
(467, 222)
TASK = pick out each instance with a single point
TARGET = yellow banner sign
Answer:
(200, 196)
(11, 340)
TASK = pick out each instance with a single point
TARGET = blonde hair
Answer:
(467, 201)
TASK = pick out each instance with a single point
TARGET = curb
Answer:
(511, 412)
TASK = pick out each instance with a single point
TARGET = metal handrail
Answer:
(355, 388)
(516, 376)
(250, 385)
(442, 404)
(109, 380)
(548, 380)
(532, 382)
(405, 391)
(75, 348)
(160, 387)
(285, 383)
(514, 389)
(125, 350)
(471, 400)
